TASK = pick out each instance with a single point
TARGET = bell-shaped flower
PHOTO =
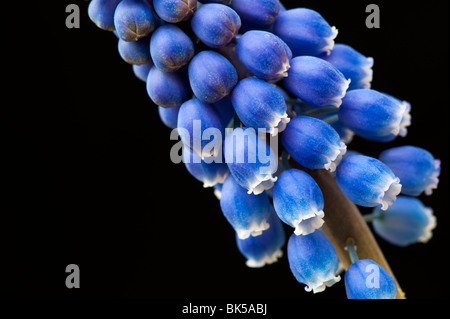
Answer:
(406, 222)
(174, 11)
(305, 31)
(374, 115)
(352, 64)
(264, 249)
(264, 54)
(101, 12)
(168, 89)
(212, 76)
(367, 181)
(141, 71)
(170, 48)
(215, 24)
(316, 81)
(257, 14)
(260, 105)
(313, 143)
(134, 19)
(200, 128)
(298, 201)
(417, 169)
(137, 52)
(313, 261)
(365, 279)
(250, 159)
(248, 214)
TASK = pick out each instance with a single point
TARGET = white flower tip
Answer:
(337, 100)
(279, 124)
(219, 179)
(365, 82)
(388, 197)
(309, 223)
(320, 285)
(432, 223)
(405, 120)
(267, 260)
(336, 157)
(330, 41)
(254, 230)
(262, 185)
(434, 178)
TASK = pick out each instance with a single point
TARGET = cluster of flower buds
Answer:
(233, 76)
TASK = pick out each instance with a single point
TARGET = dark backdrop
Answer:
(93, 183)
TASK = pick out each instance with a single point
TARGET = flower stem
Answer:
(332, 119)
(370, 217)
(285, 160)
(319, 111)
(351, 248)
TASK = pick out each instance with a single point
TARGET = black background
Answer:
(92, 181)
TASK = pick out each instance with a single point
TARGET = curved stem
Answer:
(331, 119)
(370, 217)
(343, 220)
(319, 111)
(351, 248)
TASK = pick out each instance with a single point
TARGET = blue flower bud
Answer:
(417, 169)
(251, 161)
(210, 171)
(141, 71)
(169, 115)
(305, 31)
(313, 261)
(365, 279)
(257, 14)
(225, 109)
(313, 143)
(260, 105)
(248, 214)
(174, 11)
(367, 181)
(406, 222)
(137, 52)
(212, 76)
(198, 125)
(298, 201)
(101, 12)
(225, 2)
(264, 54)
(316, 81)
(374, 115)
(352, 64)
(264, 249)
(134, 19)
(215, 24)
(167, 89)
(170, 48)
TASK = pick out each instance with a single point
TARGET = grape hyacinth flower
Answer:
(305, 31)
(169, 115)
(367, 181)
(365, 279)
(313, 143)
(210, 171)
(137, 52)
(257, 14)
(197, 123)
(134, 19)
(247, 213)
(167, 89)
(264, 54)
(374, 115)
(260, 105)
(352, 64)
(212, 76)
(417, 169)
(298, 201)
(101, 12)
(406, 222)
(251, 161)
(264, 249)
(316, 81)
(215, 24)
(170, 48)
(141, 71)
(313, 261)
(225, 2)
(174, 11)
